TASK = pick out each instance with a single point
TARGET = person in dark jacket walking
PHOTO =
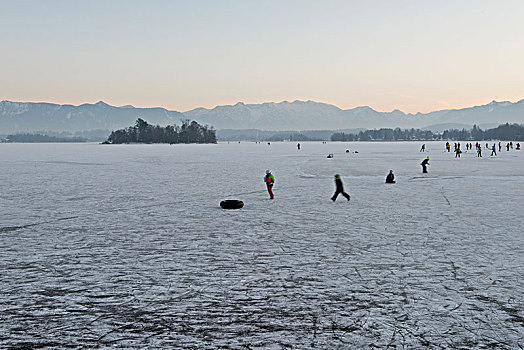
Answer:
(390, 179)
(493, 150)
(339, 189)
(424, 164)
(458, 152)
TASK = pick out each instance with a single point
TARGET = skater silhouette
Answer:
(339, 189)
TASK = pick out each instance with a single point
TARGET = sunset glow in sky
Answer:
(416, 56)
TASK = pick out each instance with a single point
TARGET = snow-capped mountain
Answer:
(490, 114)
(297, 115)
(23, 116)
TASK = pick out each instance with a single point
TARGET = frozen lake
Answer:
(126, 246)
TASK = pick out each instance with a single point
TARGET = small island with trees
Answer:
(142, 132)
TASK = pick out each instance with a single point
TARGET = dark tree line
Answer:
(291, 137)
(142, 132)
(41, 138)
(502, 132)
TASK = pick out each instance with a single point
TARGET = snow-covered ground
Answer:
(126, 246)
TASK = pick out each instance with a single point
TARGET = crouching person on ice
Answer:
(425, 164)
(390, 179)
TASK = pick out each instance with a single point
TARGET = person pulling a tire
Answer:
(269, 179)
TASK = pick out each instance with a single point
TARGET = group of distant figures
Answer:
(469, 146)
(478, 147)
(269, 179)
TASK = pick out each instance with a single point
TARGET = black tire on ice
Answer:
(231, 204)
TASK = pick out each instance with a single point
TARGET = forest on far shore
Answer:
(193, 132)
(506, 131)
(41, 138)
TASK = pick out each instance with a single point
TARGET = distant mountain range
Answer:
(297, 115)
(309, 115)
(29, 117)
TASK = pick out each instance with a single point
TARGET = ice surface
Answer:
(126, 246)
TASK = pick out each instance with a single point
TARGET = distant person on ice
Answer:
(458, 151)
(269, 179)
(424, 164)
(448, 146)
(339, 188)
(390, 179)
(298, 145)
(423, 148)
(493, 150)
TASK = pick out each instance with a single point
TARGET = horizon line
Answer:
(261, 103)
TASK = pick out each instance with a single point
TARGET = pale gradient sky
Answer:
(408, 55)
